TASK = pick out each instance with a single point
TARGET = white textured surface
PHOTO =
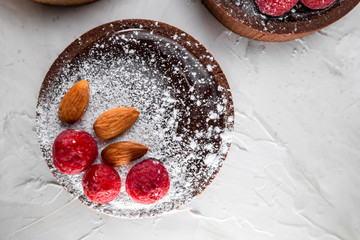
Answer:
(292, 171)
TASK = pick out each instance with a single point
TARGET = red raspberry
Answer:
(317, 4)
(101, 183)
(73, 151)
(147, 182)
(275, 7)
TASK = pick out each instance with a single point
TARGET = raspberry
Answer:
(73, 151)
(101, 183)
(317, 4)
(275, 7)
(147, 182)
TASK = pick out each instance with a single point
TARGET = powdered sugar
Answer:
(299, 13)
(157, 76)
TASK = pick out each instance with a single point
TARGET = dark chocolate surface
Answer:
(299, 13)
(184, 101)
(243, 17)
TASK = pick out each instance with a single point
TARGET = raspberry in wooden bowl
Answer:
(73, 151)
(101, 183)
(147, 182)
(254, 19)
(184, 101)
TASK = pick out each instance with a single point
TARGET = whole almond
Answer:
(120, 153)
(74, 103)
(115, 122)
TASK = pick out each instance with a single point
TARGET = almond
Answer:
(115, 122)
(74, 103)
(120, 153)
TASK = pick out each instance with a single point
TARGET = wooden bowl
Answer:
(243, 17)
(64, 2)
(186, 109)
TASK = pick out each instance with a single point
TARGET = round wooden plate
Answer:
(244, 18)
(185, 104)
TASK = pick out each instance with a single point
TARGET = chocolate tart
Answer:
(186, 109)
(64, 2)
(243, 17)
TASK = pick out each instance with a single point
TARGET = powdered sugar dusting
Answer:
(183, 114)
(299, 13)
